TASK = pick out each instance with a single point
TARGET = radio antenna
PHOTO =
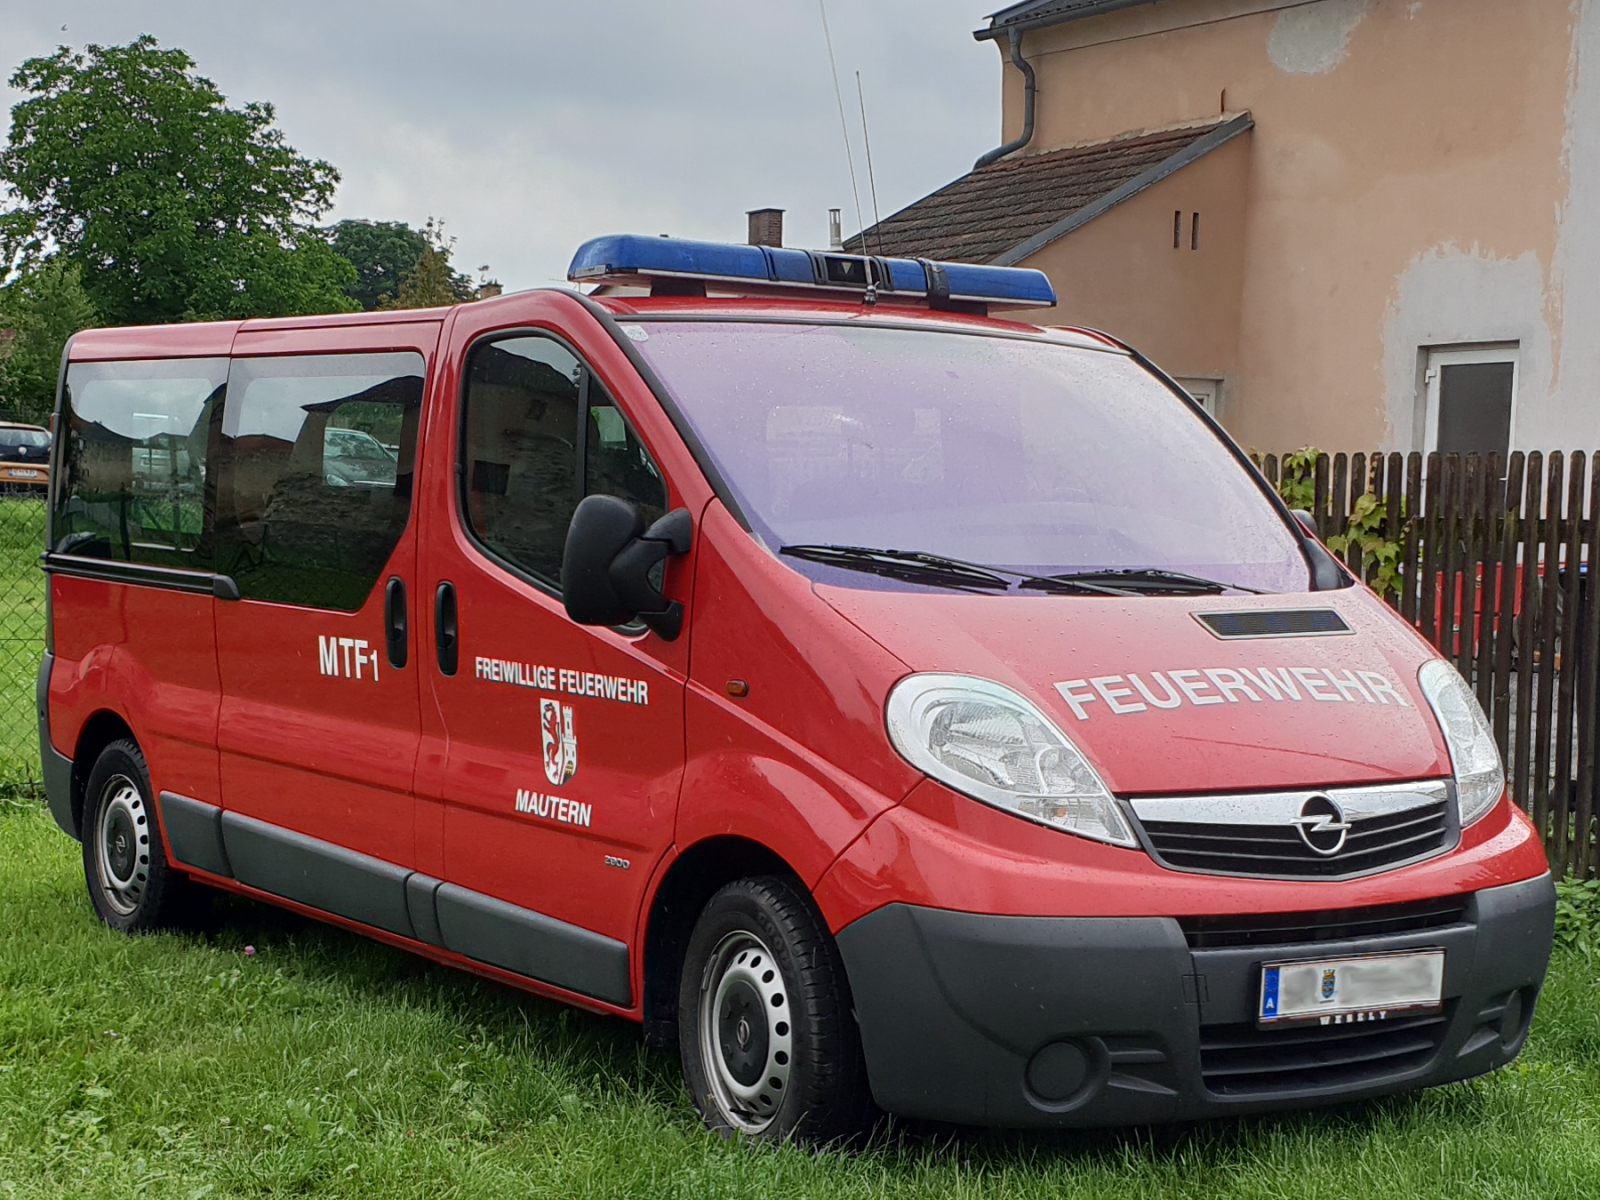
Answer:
(844, 128)
(872, 183)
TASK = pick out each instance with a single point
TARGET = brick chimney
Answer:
(489, 290)
(766, 227)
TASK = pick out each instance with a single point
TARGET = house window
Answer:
(1471, 400)
(1204, 391)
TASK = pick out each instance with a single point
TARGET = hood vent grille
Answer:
(1292, 622)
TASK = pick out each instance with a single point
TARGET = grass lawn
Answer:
(323, 1064)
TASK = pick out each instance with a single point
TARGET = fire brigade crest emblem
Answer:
(560, 743)
(1330, 983)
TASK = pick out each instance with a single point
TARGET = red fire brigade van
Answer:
(896, 707)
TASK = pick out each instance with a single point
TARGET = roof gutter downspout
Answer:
(1028, 93)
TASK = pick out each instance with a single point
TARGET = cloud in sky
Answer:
(530, 125)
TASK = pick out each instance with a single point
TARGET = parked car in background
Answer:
(353, 458)
(24, 458)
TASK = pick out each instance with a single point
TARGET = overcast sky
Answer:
(529, 125)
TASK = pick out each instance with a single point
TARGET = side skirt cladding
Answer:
(56, 768)
(396, 899)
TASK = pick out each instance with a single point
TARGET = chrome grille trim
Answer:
(1281, 808)
(1268, 835)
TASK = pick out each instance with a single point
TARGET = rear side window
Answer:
(539, 432)
(314, 474)
(28, 445)
(133, 465)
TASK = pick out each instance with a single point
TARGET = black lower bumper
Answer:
(1061, 1022)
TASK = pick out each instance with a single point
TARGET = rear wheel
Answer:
(130, 883)
(769, 1043)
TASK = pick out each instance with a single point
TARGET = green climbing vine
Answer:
(1297, 477)
(1366, 530)
(1380, 554)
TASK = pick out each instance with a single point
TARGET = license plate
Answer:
(1342, 991)
(24, 473)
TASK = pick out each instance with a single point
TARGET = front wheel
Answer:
(769, 1043)
(132, 887)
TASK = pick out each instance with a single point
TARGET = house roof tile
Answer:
(1037, 13)
(998, 208)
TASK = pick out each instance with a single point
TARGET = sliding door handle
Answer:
(394, 621)
(446, 638)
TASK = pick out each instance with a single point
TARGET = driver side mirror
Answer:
(608, 568)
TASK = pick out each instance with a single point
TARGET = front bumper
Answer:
(1072, 1022)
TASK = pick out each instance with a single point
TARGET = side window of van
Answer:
(314, 474)
(135, 441)
(539, 432)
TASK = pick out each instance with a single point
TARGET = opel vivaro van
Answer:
(895, 707)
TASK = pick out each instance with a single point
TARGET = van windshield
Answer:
(1017, 454)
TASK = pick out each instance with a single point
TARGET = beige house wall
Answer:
(1179, 306)
(1409, 184)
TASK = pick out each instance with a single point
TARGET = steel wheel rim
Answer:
(744, 1021)
(122, 845)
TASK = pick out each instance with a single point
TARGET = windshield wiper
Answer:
(910, 566)
(1146, 580)
(917, 566)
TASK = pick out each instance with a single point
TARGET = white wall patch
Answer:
(1313, 39)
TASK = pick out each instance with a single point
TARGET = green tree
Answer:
(381, 252)
(432, 281)
(126, 163)
(39, 311)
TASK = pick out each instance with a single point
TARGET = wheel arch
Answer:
(696, 875)
(101, 729)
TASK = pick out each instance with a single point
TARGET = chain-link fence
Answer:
(21, 636)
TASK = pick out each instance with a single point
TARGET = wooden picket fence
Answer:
(1493, 561)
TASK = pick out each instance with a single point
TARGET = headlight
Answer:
(1480, 776)
(987, 742)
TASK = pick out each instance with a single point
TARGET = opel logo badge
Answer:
(1322, 826)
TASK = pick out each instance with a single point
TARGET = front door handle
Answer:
(394, 621)
(446, 639)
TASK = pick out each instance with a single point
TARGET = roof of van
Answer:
(206, 339)
(214, 339)
(801, 310)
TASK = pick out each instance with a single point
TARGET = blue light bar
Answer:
(669, 264)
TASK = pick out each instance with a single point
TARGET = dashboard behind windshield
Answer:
(1017, 453)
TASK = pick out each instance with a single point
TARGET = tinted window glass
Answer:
(28, 445)
(1475, 408)
(133, 483)
(314, 483)
(527, 400)
(1012, 452)
(616, 462)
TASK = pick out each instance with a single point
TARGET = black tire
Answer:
(130, 883)
(765, 1028)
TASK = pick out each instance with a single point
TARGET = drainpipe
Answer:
(1028, 92)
